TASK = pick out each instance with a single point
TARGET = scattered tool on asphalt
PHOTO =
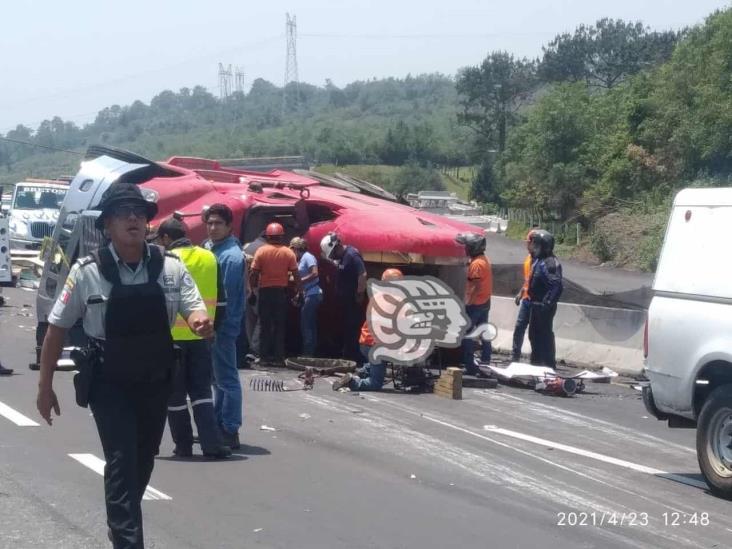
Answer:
(545, 379)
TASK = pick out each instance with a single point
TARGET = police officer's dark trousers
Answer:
(272, 310)
(130, 420)
(193, 378)
(541, 335)
(130, 391)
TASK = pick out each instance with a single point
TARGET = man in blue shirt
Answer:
(350, 291)
(227, 386)
(312, 295)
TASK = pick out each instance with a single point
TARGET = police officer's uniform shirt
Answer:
(86, 292)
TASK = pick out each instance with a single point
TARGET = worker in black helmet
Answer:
(545, 289)
(128, 294)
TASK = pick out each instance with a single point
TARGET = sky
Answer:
(72, 58)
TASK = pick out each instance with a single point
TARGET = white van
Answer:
(688, 343)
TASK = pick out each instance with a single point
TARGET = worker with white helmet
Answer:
(350, 290)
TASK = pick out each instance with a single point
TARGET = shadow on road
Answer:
(202, 458)
(247, 450)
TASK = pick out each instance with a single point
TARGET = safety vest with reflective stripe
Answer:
(204, 270)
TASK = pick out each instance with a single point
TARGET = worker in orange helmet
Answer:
(370, 377)
(523, 301)
(273, 265)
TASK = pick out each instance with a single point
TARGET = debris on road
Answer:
(604, 376)
(321, 366)
(267, 428)
(559, 386)
(304, 416)
(521, 372)
(450, 384)
(541, 378)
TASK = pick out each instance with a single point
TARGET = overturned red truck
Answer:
(385, 232)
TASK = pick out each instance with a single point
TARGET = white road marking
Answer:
(594, 455)
(16, 417)
(583, 419)
(97, 465)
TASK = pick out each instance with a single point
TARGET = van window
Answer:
(695, 258)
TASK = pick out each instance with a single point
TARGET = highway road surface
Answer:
(504, 467)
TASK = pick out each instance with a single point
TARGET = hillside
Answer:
(601, 131)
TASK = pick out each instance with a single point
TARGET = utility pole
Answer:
(291, 87)
(225, 76)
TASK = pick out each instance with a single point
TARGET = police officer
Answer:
(193, 376)
(545, 289)
(128, 294)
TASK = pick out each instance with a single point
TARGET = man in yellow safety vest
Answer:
(193, 376)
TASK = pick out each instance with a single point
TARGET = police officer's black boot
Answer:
(5, 371)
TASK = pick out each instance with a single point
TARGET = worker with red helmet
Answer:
(273, 265)
(370, 377)
(523, 302)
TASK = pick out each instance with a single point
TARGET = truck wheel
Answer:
(714, 441)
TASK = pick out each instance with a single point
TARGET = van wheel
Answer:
(714, 441)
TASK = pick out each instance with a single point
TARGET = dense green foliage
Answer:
(392, 121)
(611, 121)
(580, 153)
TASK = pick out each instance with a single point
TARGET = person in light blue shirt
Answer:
(312, 295)
(227, 386)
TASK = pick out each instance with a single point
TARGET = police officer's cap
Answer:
(119, 193)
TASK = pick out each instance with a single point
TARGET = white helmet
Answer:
(328, 244)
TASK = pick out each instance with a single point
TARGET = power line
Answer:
(18, 141)
(246, 46)
(422, 36)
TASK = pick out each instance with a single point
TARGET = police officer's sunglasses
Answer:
(125, 210)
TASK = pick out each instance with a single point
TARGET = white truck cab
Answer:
(689, 330)
(34, 210)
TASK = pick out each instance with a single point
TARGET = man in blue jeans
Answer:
(524, 303)
(478, 292)
(370, 377)
(227, 386)
(312, 295)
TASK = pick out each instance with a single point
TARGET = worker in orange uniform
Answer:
(370, 377)
(270, 273)
(523, 302)
(478, 292)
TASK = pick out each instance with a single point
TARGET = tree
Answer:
(605, 54)
(491, 94)
(484, 186)
(546, 166)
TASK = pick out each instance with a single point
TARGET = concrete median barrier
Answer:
(585, 334)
